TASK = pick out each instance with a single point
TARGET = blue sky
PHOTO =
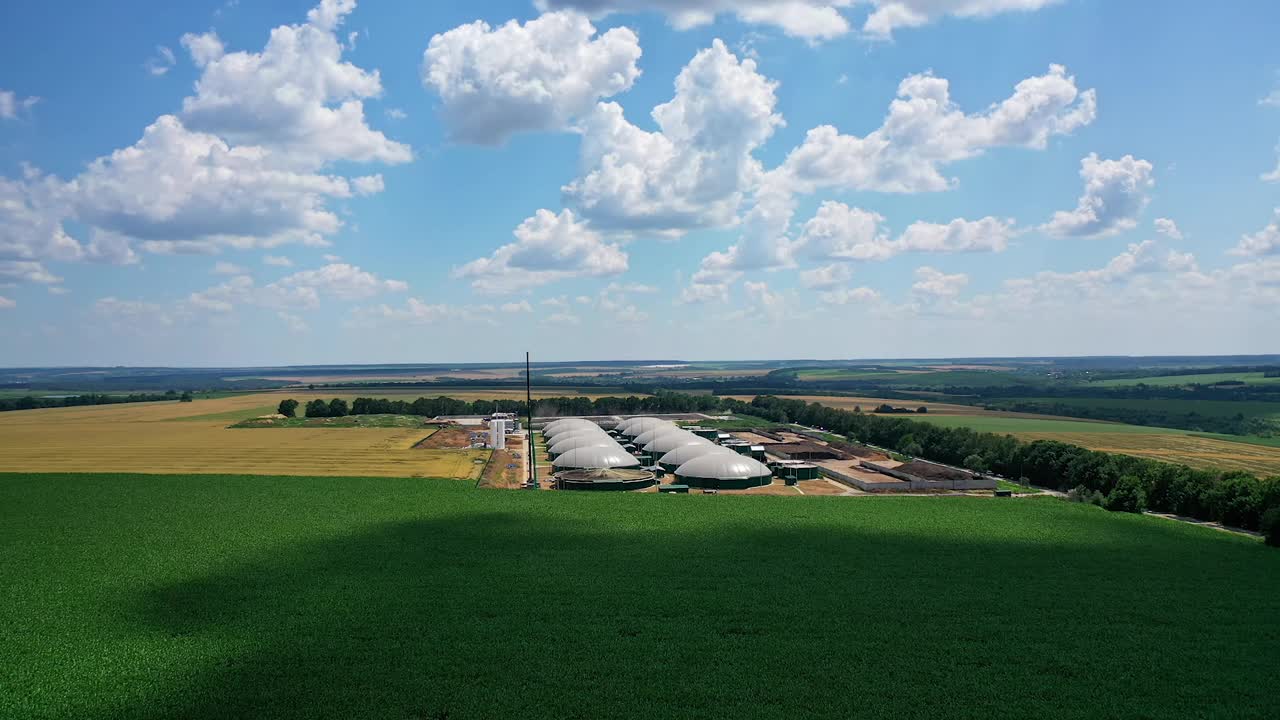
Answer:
(284, 182)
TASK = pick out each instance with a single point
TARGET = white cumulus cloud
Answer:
(1168, 228)
(935, 283)
(495, 82)
(1264, 242)
(890, 15)
(296, 96)
(809, 19)
(548, 248)
(693, 170)
(1115, 193)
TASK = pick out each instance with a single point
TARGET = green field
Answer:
(1251, 378)
(1006, 424)
(269, 597)
(1217, 408)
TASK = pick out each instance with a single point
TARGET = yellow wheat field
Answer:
(173, 437)
(1197, 452)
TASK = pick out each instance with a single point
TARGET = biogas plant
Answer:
(634, 453)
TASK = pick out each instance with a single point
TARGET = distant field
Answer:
(923, 378)
(1221, 408)
(194, 438)
(1251, 378)
(199, 597)
(1211, 452)
(868, 403)
(1012, 424)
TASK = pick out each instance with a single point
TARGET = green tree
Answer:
(1271, 526)
(338, 408)
(288, 408)
(976, 463)
(317, 408)
(1128, 495)
(186, 397)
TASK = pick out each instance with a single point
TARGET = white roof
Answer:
(649, 436)
(629, 421)
(594, 458)
(576, 440)
(561, 426)
(643, 425)
(685, 453)
(671, 441)
(723, 466)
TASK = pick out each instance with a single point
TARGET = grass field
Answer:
(253, 597)
(193, 437)
(1219, 408)
(1250, 378)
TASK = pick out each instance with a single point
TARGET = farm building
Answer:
(724, 471)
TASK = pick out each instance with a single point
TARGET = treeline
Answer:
(31, 402)
(1237, 424)
(1119, 482)
(662, 402)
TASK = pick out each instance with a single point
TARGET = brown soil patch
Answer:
(929, 471)
(447, 438)
(504, 470)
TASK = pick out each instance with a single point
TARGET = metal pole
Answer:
(528, 398)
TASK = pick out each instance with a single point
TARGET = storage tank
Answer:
(667, 442)
(643, 425)
(595, 458)
(724, 471)
(683, 454)
(565, 443)
(649, 436)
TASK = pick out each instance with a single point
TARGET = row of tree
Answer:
(31, 402)
(1233, 498)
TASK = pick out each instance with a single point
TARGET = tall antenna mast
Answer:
(528, 401)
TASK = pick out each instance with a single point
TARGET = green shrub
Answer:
(1082, 494)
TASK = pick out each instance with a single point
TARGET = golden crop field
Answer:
(173, 437)
(1197, 452)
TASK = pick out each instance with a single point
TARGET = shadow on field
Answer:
(503, 615)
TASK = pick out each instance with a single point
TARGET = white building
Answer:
(498, 434)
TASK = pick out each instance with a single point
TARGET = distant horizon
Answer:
(641, 362)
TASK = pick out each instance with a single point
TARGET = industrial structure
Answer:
(633, 453)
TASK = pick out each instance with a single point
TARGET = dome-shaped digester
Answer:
(649, 436)
(630, 421)
(683, 454)
(724, 471)
(644, 425)
(595, 458)
(564, 426)
(667, 442)
(578, 440)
